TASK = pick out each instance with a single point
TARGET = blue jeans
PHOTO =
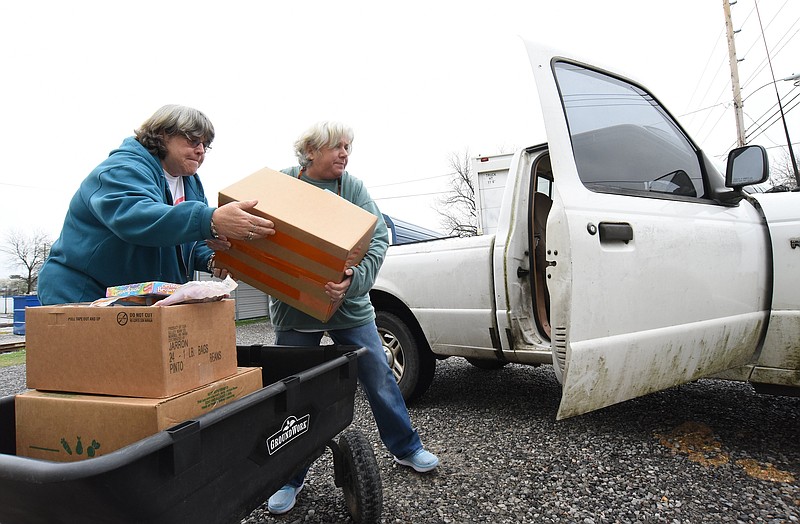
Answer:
(377, 381)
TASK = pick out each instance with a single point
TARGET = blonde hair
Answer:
(171, 120)
(321, 134)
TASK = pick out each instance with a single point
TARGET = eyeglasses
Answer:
(194, 142)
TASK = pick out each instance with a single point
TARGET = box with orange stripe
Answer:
(317, 236)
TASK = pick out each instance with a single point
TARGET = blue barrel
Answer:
(20, 303)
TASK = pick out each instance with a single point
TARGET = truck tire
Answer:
(412, 363)
(361, 480)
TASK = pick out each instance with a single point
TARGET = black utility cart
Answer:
(217, 468)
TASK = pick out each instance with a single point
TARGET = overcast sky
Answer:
(418, 81)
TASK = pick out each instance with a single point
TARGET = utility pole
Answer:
(737, 93)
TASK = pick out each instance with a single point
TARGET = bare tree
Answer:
(28, 252)
(457, 208)
(781, 173)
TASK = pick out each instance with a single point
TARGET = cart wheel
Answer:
(361, 479)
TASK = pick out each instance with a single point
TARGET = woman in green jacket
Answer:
(323, 152)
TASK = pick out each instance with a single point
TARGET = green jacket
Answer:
(356, 310)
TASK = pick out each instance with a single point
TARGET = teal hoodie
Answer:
(356, 310)
(121, 228)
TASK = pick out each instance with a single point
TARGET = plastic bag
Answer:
(200, 291)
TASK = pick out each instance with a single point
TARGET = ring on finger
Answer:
(249, 235)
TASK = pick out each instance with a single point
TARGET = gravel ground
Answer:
(710, 451)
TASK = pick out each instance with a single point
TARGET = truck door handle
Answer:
(522, 272)
(615, 231)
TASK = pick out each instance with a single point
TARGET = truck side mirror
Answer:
(746, 166)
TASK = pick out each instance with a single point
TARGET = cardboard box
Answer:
(317, 236)
(67, 427)
(131, 351)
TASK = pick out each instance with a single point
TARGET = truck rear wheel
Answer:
(412, 364)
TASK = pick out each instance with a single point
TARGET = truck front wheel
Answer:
(412, 364)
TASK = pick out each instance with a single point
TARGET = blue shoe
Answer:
(422, 461)
(283, 500)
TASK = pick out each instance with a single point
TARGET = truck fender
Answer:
(407, 351)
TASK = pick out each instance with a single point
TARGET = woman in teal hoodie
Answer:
(142, 215)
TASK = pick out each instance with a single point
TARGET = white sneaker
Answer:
(422, 461)
(283, 500)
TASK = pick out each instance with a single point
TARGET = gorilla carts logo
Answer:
(122, 318)
(292, 428)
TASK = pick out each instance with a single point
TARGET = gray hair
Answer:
(172, 120)
(319, 135)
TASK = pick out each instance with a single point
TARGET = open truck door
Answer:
(655, 280)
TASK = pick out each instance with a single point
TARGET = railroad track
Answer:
(11, 346)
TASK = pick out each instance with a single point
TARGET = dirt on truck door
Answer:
(641, 262)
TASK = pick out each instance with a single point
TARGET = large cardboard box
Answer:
(131, 351)
(317, 236)
(67, 427)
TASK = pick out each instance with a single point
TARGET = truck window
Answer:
(623, 141)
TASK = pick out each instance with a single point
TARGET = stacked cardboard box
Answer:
(67, 427)
(133, 351)
(105, 377)
(317, 236)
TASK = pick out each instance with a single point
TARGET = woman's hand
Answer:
(218, 244)
(233, 220)
(221, 273)
(337, 290)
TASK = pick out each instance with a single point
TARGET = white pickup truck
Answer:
(618, 254)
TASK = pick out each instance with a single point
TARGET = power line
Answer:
(775, 51)
(705, 129)
(783, 115)
(411, 196)
(775, 117)
(701, 109)
(723, 104)
(411, 181)
(18, 185)
(705, 69)
(715, 125)
(770, 113)
(782, 145)
(701, 127)
(755, 42)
